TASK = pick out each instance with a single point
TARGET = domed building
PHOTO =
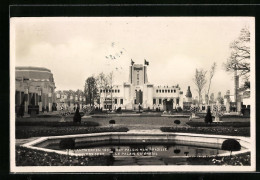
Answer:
(34, 86)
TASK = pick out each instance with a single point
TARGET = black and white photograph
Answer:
(132, 94)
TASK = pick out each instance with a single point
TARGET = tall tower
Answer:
(138, 75)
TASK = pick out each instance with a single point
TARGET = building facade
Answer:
(34, 86)
(139, 91)
(70, 99)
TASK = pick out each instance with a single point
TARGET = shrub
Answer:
(231, 145)
(208, 117)
(179, 109)
(177, 151)
(77, 117)
(67, 144)
(119, 110)
(20, 111)
(112, 122)
(177, 122)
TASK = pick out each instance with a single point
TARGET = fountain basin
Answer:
(143, 139)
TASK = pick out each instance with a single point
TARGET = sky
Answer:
(75, 48)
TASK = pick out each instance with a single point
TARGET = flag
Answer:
(146, 62)
(132, 62)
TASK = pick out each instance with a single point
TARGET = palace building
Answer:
(34, 86)
(139, 91)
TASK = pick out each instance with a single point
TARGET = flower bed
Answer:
(231, 131)
(55, 123)
(22, 133)
(221, 124)
(28, 157)
(236, 160)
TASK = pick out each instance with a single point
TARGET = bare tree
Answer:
(90, 90)
(200, 81)
(102, 84)
(212, 72)
(239, 60)
(110, 79)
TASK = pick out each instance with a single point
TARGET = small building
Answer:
(71, 99)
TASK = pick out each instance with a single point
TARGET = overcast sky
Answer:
(76, 48)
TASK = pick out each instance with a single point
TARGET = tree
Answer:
(208, 117)
(102, 83)
(200, 81)
(110, 79)
(220, 99)
(90, 90)
(239, 59)
(212, 72)
(212, 98)
(77, 116)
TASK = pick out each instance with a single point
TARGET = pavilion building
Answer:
(139, 91)
(34, 86)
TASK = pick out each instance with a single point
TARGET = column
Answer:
(50, 102)
(26, 94)
(40, 100)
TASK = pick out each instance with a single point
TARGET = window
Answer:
(109, 90)
(106, 90)
(157, 91)
(112, 90)
(163, 91)
(118, 91)
(137, 76)
(171, 90)
(174, 91)
(100, 90)
(115, 101)
(160, 91)
(168, 90)
(121, 101)
(160, 101)
(154, 101)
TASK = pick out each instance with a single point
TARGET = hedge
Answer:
(220, 124)
(245, 131)
(27, 133)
